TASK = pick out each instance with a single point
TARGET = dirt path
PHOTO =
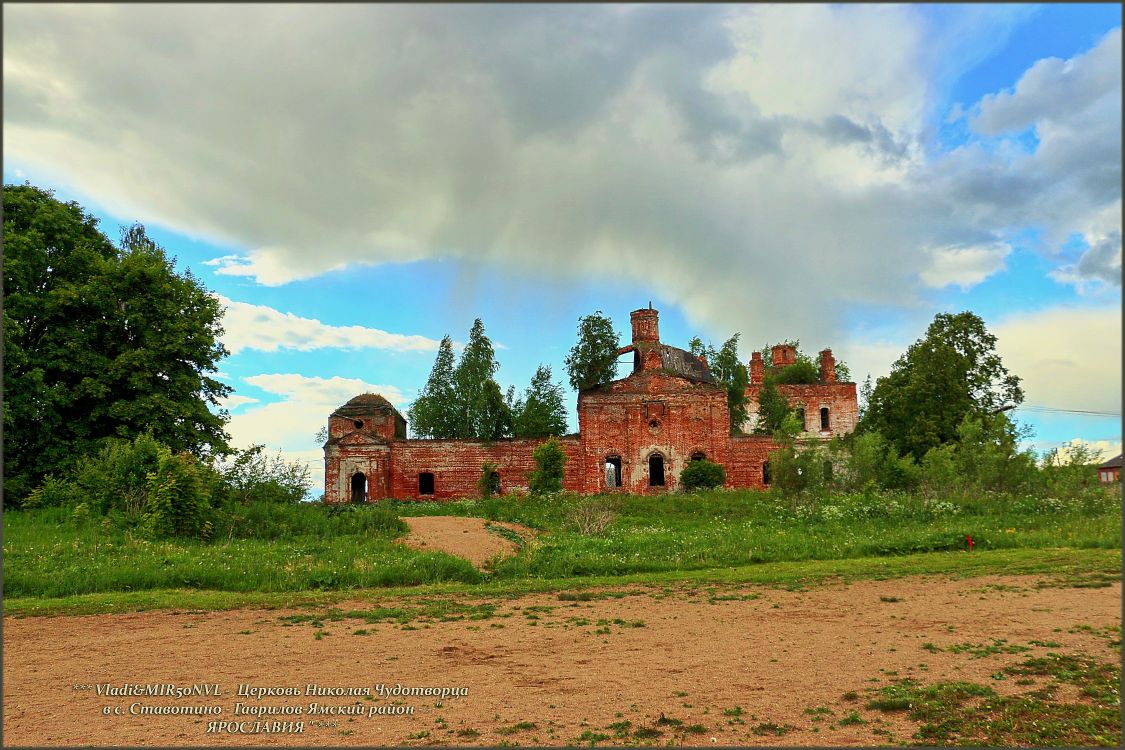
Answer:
(463, 537)
(541, 670)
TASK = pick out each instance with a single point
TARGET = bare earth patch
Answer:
(463, 537)
(691, 665)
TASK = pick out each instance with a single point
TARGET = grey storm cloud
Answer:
(550, 140)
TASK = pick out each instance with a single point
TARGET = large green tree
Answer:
(593, 359)
(953, 372)
(99, 341)
(432, 415)
(541, 412)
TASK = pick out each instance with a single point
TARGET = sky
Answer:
(356, 181)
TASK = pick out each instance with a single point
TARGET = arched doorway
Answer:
(612, 471)
(359, 487)
(656, 470)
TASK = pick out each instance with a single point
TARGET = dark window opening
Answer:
(425, 483)
(801, 416)
(654, 424)
(358, 423)
(494, 482)
(656, 470)
(613, 471)
(698, 456)
(766, 473)
(359, 488)
(824, 418)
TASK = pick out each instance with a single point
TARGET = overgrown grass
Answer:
(285, 548)
(722, 529)
(1062, 564)
(47, 553)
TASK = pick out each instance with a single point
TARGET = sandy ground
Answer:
(695, 659)
(464, 537)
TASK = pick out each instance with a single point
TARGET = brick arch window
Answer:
(699, 456)
(824, 419)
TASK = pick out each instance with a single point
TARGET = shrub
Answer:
(250, 476)
(489, 482)
(116, 478)
(869, 459)
(702, 474)
(177, 502)
(52, 493)
(804, 370)
(592, 515)
(550, 460)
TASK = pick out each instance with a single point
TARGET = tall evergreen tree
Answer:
(476, 406)
(432, 415)
(542, 411)
(495, 415)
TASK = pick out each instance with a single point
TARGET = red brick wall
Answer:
(456, 465)
(341, 462)
(840, 398)
(376, 423)
(747, 454)
(616, 420)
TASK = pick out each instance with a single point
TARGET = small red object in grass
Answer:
(969, 540)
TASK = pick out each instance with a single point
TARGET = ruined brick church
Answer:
(635, 434)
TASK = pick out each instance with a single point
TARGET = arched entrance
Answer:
(656, 470)
(359, 487)
(612, 472)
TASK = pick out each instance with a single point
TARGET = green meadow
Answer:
(268, 549)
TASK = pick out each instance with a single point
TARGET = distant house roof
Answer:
(1113, 463)
(365, 403)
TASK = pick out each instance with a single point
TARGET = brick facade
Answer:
(668, 411)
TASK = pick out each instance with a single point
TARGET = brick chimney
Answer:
(827, 367)
(645, 327)
(784, 355)
(757, 369)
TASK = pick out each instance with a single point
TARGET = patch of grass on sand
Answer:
(964, 713)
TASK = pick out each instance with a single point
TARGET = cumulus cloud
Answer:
(965, 266)
(1068, 357)
(234, 400)
(681, 146)
(1053, 90)
(248, 326)
(322, 391)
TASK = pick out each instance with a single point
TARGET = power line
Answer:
(1039, 408)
